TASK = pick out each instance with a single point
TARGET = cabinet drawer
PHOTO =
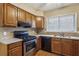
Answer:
(13, 45)
(16, 51)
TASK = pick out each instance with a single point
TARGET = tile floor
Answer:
(45, 53)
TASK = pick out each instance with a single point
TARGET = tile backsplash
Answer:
(68, 34)
(6, 34)
(71, 34)
(76, 34)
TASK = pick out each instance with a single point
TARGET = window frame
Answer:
(75, 22)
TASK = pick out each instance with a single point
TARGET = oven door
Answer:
(28, 46)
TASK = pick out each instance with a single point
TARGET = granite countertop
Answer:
(67, 37)
(13, 40)
(9, 40)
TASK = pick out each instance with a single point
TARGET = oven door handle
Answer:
(29, 42)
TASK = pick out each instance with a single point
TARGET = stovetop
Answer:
(25, 39)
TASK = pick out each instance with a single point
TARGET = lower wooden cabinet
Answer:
(17, 51)
(38, 43)
(56, 45)
(67, 47)
(70, 47)
(14, 49)
(76, 47)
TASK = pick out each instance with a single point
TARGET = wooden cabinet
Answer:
(64, 46)
(21, 15)
(1, 14)
(33, 21)
(38, 43)
(76, 47)
(10, 15)
(28, 17)
(67, 47)
(14, 49)
(56, 45)
(17, 51)
(33, 17)
(39, 22)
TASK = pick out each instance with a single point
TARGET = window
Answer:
(52, 24)
(66, 23)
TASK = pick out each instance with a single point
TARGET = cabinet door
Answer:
(33, 21)
(38, 43)
(17, 51)
(21, 15)
(56, 45)
(39, 22)
(76, 47)
(28, 17)
(67, 47)
(10, 15)
(1, 14)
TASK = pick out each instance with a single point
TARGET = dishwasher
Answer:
(46, 43)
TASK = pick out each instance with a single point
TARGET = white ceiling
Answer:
(46, 6)
(40, 8)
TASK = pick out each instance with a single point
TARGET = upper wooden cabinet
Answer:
(10, 15)
(1, 14)
(33, 17)
(21, 15)
(39, 22)
(33, 21)
(28, 17)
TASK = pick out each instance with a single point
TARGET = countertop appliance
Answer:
(29, 42)
(46, 43)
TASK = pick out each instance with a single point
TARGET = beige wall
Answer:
(73, 8)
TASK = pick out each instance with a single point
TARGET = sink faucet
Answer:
(61, 34)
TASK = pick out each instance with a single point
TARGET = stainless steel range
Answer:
(29, 42)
